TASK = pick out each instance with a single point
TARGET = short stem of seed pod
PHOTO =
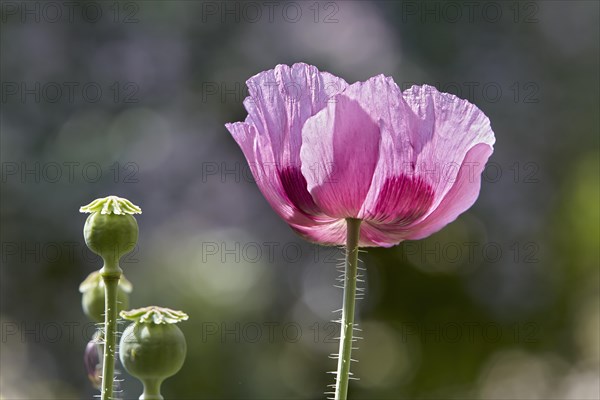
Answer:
(152, 390)
(111, 278)
(347, 323)
(111, 265)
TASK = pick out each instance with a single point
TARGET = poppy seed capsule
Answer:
(153, 348)
(111, 230)
(93, 295)
(150, 351)
(110, 235)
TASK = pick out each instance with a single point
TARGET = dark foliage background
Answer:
(130, 98)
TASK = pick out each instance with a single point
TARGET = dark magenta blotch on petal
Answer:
(403, 200)
(295, 187)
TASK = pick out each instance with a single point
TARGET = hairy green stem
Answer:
(350, 276)
(110, 275)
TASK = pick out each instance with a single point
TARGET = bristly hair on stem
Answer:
(110, 231)
(350, 278)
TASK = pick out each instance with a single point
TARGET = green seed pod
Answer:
(111, 230)
(153, 348)
(92, 300)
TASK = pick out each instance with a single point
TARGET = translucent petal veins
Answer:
(111, 205)
(154, 315)
(405, 162)
(294, 185)
(402, 201)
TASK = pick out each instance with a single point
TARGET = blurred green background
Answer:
(130, 98)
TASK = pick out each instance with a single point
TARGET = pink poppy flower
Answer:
(321, 150)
